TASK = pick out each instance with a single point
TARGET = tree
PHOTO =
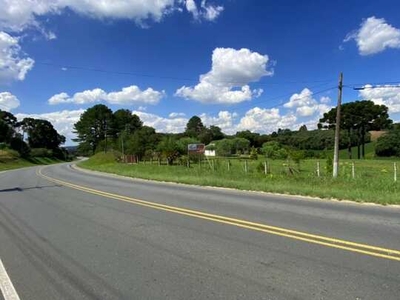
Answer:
(8, 122)
(169, 148)
(93, 126)
(41, 134)
(274, 150)
(253, 138)
(226, 147)
(358, 118)
(303, 128)
(194, 127)
(124, 120)
(213, 133)
(142, 140)
(389, 144)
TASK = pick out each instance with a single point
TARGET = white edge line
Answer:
(6, 286)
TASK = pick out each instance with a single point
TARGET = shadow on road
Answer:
(19, 189)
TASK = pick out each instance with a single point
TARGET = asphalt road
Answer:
(67, 234)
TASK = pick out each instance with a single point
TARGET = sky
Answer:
(255, 65)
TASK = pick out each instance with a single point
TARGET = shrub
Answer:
(41, 152)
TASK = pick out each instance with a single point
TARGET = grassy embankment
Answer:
(10, 160)
(373, 180)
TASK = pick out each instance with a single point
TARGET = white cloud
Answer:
(176, 115)
(13, 64)
(133, 94)
(127, 96)
(63, 121)
(265, 120)
(16, 15)
(325, 100)
(8, 101)
(161, 124)
(305, 105)
(227, 82)
(224, 120)
(386, 95)
(374, 36)
(205, 11)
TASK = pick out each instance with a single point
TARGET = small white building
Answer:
(210, 152)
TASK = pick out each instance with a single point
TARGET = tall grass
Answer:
(373, 181)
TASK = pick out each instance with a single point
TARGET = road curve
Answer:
(67, 234)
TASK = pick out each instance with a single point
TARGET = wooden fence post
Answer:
(318, 169)
(395, 171)
(353, 170)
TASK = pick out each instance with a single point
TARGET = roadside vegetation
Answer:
(373, 181)
(285, 161)
(29, 142)
(10, 159)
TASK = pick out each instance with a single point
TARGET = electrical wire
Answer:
(99, 70)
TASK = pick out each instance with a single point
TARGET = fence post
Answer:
(265, 168)
(318, 169)
(229, 165)
(395, 171)
(245, 166)
(353, 170)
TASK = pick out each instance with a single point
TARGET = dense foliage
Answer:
(40, 135)
(100, 129)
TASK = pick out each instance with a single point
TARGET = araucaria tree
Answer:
(358, 118)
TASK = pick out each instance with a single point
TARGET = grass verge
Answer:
(373, 181)
(10, 162)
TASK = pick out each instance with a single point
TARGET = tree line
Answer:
(42, 138)
(101, 129)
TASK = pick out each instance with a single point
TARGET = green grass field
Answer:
(373, 180)
(9, 161)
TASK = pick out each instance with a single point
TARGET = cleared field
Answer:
(373, 181)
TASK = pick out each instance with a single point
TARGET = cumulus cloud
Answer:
(127, 96)
(374, 36)
(13, 63)
(204, 11)
(305, 105)
(265, 120)
(16, 15)
(386, 95)
(176, 115)
(8, 101)
(161, 124)
(63, 121)
(228, 81)
(224, 120)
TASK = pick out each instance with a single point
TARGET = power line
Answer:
(283, 99)
(100, 70)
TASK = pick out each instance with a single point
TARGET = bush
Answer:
(41, 152)
(389, 144)
(253, 153)
(20, 146)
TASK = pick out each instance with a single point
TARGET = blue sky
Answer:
(254, 64)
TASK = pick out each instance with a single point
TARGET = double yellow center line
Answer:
(292, 234)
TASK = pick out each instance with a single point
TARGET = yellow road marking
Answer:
(297, 235)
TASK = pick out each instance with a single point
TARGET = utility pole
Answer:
(106, 130)
(337, 129)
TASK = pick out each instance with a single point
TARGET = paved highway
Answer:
(68, 234)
